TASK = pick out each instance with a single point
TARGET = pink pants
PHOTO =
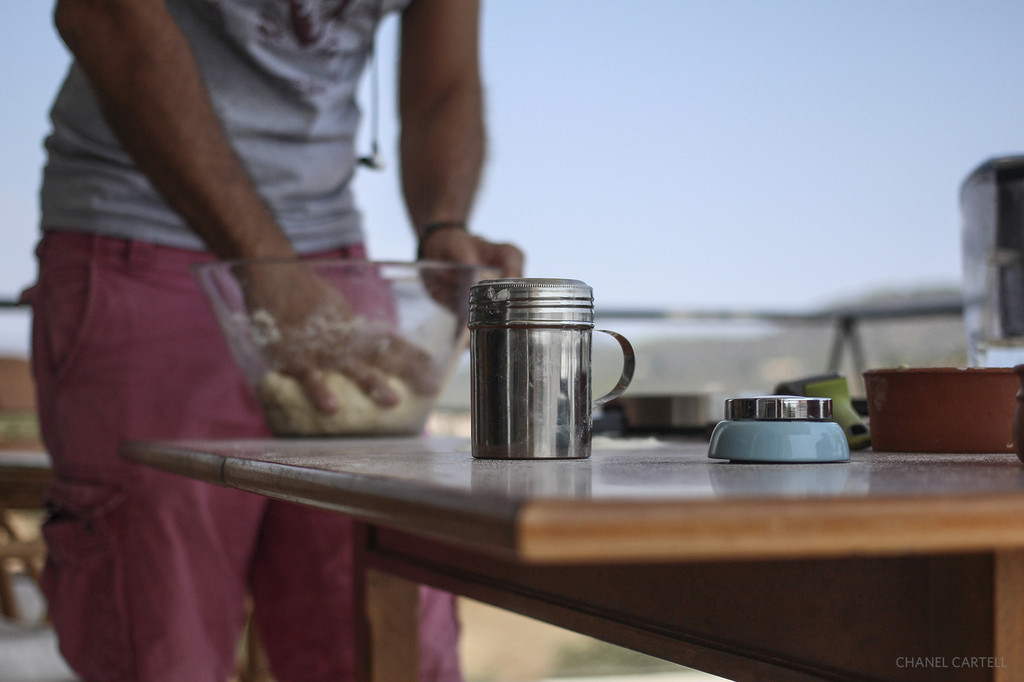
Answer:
(148, 572)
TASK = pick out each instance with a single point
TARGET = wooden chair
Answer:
(18, 557)
(24, 475)
(252, 660)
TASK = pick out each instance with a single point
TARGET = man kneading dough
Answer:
(290, 412)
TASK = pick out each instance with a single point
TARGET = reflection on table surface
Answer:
(629, 468)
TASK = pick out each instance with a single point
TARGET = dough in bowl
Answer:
(290, 413)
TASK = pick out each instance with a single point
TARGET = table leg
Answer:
(1009, 615)
(393, 610)
(389, 639)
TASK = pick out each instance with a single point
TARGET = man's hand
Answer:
(308, 329)
(458, 246)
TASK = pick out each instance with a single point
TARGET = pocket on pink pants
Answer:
(82, 577)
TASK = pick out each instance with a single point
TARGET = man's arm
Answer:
(442, 141)
(149, 86)
(146, 80)
(144, 75)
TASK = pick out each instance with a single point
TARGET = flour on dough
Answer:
(290, 412)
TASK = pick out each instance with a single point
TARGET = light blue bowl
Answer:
(796, 441)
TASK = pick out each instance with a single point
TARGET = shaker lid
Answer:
(531, 299)
(779, 408)
(522, 288)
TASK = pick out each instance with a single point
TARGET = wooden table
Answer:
(889, 567)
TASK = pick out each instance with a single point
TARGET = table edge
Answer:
(634, 530)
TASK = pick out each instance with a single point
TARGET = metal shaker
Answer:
(530, 368)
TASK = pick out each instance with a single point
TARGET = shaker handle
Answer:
(628, 367)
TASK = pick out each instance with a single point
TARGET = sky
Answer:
(676, 154)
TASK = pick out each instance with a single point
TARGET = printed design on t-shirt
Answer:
(308, 45)
(310, 18)
(302, 24)
(311, 26)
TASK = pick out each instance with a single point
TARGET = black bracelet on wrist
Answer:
(429, 230)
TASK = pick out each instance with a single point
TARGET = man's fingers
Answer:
(372, 382)
(314, 385)
(411, 364)
(505, 257)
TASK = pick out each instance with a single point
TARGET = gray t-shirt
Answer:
(282, 75)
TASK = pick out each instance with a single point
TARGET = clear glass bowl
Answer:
(382, 337)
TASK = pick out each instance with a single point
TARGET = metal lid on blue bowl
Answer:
(779, 408)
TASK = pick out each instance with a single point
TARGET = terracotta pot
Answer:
(942, 409)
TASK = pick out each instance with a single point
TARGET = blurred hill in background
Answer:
(687, 353)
